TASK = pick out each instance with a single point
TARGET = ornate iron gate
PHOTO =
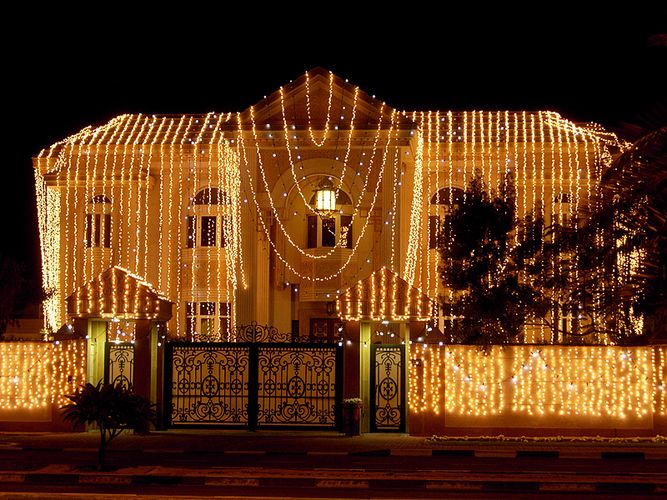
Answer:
(296, 385)
(208, 383)
(253, 385)
(387, 388)
(119, 363)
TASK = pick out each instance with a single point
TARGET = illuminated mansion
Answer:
(317, 206)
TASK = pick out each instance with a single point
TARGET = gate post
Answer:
(142, 359)
(351, 361)
(167, 377)
(340, 381)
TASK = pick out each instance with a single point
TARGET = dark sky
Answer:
(70, 68)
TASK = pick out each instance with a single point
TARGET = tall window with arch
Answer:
(98, 222)
(443, 204)
(210, 226)
(334, 229)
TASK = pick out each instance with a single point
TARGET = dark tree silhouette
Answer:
(12, 287)
(488, 262)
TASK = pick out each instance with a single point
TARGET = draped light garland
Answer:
(263, 224)
(348, 149)
(36, 374)
(325, 132)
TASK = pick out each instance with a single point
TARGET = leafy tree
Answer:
(112, 408)
(19, 297)
(12, 285)
(488, 262)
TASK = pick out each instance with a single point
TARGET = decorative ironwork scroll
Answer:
(387, 388)
(119, 365)
(255, 333)
(260, 333)
(209, 384)
(296, 385)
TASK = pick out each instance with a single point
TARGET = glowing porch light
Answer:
(325, 198)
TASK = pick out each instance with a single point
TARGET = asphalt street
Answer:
(288, 464)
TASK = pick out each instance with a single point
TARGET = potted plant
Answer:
(352, 416)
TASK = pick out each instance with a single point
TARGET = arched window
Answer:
(98, 222)
(445, 201)
(211, 225)
(324, 231)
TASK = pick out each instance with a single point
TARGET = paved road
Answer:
(326, 465)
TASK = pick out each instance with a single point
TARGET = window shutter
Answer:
(312, 231)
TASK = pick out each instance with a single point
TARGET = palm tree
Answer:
(112, 408)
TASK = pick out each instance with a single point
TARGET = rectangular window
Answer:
(225, 309)
(562, 219)
(569, 323)
(207, 328)
(207, 308)
(192, 232)
(312, 231)
(433, 230)
(563, 198)
(329, 232)
(225, 223)
(346, 222)
(208, 227)
(203, 323)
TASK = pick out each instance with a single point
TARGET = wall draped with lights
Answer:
(37, 374)
(528, 383)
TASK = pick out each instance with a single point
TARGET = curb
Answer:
(575, 484)
(399, 452)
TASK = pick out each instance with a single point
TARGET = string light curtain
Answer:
(37, 374)
(150, 167)
(537, 381)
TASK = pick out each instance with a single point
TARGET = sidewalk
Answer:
(330, 442)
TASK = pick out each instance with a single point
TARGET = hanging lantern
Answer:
(325, 198)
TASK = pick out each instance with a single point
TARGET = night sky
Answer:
(66, 69)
